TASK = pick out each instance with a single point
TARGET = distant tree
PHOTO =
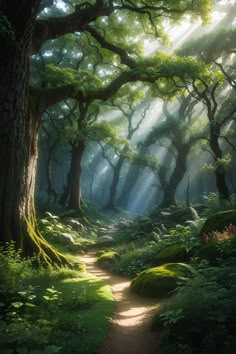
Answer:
(133, 124)
(177, 130)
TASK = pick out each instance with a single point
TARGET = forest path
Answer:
(130, 327)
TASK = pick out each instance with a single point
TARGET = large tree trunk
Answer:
(75, 176)
(18, 141)
(111, 204)
(220, 170)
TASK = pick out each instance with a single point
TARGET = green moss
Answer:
(107, 258)
(171, 254)
(218, 221)
(159, 281)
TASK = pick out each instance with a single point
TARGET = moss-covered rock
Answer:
(172, 254)
(107, 258)
(209, 252)
(218, 221)
(160, 281)
(80, 266)
(105, 240)
(101, 252)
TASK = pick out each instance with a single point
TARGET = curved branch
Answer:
(125, 59)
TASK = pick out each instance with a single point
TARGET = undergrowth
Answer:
(202, 316)
(47, 311)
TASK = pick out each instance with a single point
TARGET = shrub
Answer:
(202, 315)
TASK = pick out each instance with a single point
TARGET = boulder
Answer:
(160, 281)
(172, 254)
(218, 221)
(64, 239)
(107, 258)
(104, 240)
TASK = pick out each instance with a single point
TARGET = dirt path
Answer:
(130, 330)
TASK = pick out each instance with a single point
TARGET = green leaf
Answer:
(29, 304)
(42, 321)
(47, 298)
(22, 293)
(31, 297)
(17, 304)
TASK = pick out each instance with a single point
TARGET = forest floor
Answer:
(130, 331)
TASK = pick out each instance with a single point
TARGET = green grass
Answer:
(89, 301)
(48, 311)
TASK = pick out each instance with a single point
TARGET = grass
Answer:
(89, 302)
(47, 311)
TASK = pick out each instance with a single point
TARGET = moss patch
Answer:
(171, 254)
(159, 281)
(107, 258)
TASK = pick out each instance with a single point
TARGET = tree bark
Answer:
(111, 204)
(18, 137)
(76, 170)
(220, 170)
(50, 190)
(169, 188)
(72, 190)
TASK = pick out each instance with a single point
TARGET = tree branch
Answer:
(125, 59)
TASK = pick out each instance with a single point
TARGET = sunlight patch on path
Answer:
(130, 327)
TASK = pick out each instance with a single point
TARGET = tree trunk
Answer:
(66, 191)
(75, 176)
(18, 137)
(111, 204)
(169, 188)
(50, 190)
(220, 170)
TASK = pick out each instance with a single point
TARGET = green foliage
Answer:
(50, 311)
(54, 229)
(214, 204)
(59, 76)
(108, 133)
(211, 45)
(203, 313)
(224, 162)
(134, 259)
(149, 243)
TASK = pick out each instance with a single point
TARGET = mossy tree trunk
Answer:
(19, 132)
